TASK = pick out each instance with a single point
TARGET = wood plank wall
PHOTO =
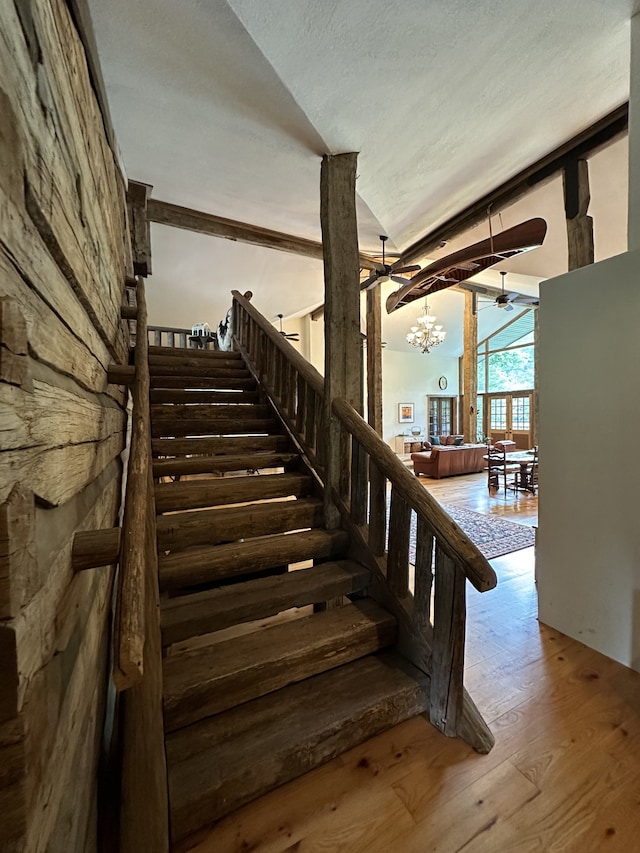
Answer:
(62, 270)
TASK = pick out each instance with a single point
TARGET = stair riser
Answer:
(213, 527)
(161, 412)
(217, 426)
(172, 497)
(220, 444)
(217, 609)
(205, 372)
(219, 464)
(189, 362)
(248, 673)
(181, 570)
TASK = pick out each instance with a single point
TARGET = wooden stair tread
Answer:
(226, 524)
(227, 490)
(216, 426)
(220, 464)
(209, 381)
(204, 354)
(195, 566)
(219, 676)
(220, 444)
(215, 609)
(223, 762)
(189, 359)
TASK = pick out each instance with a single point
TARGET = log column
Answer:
(374, 359)
(470, 368)
(139, 226)
(575, 181)
(342, 310)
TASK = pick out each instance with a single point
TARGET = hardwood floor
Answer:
(564, 775)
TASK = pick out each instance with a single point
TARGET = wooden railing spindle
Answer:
(398, 553)
(377, 509)
(359, 478)
(423, 573)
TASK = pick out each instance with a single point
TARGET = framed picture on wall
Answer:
(405, 413)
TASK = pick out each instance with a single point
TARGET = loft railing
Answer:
(377, 498)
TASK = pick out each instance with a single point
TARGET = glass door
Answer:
(509, 417)
(441, 415)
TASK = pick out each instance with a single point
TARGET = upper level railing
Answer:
(390, 516)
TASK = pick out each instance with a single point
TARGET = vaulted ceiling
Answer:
(226, 106)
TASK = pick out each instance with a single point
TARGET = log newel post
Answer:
(139, 226)
(470, 370)
(575, 181)
(342, 311)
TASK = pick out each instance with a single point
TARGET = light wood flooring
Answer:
(564, 774)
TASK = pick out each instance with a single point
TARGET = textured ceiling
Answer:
(227, 107)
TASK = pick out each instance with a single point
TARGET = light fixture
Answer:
(426, 334)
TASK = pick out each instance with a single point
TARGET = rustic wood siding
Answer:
(62, 268)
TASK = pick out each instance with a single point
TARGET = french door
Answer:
(442, 415)
(510, 416)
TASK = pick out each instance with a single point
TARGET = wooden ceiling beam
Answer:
(165, 213)
(599, 135)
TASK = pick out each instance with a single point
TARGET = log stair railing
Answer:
(431, 638)
(284, 643)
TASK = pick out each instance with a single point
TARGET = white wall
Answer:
(408, 377)
(588, 554)
(633, 232)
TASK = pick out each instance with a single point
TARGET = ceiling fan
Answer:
(504, 300)
(389, 272)
(507, 300)
(290, 336)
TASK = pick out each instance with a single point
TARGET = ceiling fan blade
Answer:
(508, 307)
(411, 268)
(526, 300)
(513, 295)
(398, 279)
(370, 282)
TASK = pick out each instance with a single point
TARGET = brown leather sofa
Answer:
(448, 461)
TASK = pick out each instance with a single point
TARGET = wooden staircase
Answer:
(275, 659)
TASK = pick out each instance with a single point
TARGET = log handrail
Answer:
(307, 371)
(380, 523)
(129, 629)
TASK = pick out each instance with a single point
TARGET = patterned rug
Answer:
(494, 536)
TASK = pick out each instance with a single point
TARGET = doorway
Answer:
(509, 417)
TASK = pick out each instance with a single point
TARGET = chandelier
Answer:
(426, 334)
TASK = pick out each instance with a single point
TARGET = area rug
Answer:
(494, 536)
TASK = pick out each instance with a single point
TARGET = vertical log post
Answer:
(139, 226)
(448, 645)
(470, 368)
(342, 310)
(575, 182)
(374, 359)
